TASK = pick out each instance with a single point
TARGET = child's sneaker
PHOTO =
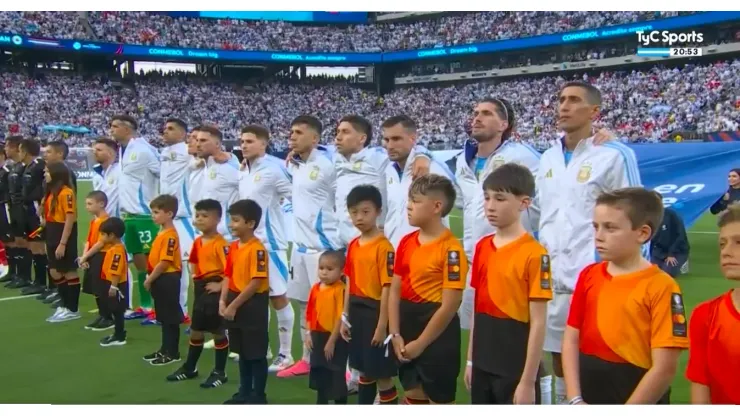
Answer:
(113, 340)
(67, 315)
(153, 356)
(280, 363)
(103, 325)
(94, 323)
(58, 312)
(164, 360)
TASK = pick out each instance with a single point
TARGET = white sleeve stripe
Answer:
(630, 162)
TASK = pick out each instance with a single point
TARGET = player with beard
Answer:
(221, 176)
(196, 165)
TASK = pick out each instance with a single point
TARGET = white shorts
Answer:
(557, 316)
(304, 273)
(278, 272)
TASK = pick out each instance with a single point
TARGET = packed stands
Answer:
(645, 105)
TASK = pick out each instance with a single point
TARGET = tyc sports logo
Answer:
(667, 38)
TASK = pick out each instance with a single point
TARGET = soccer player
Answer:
(57, 152)
(369, 269)
(33, 192)
(18, 255)
(106, 172)
(244, 302)
(571, 176)
(60, 232)
(494, 120)
(137, 186)
(221, 176)
(197, 169)
(208, 263)
(627, 322)
(714, 328)
(113, 273)
(324, 318)
(5, 231)
(315, 222)
(399, 139)
(95, 203)
(164, 270)
(425, 294)
(511, 279)
(174, 180)
(266, 181)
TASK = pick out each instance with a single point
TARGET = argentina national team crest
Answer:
(584, 173)
(212, 173)
(314, 173)
(357, 166)
(498, 161)
(453, 265)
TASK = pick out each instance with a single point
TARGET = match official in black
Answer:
(669, 249)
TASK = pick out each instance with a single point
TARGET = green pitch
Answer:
(63, 363)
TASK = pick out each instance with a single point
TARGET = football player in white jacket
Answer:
(572, 174)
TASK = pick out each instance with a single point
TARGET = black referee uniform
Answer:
(5, 235)
(16, 255)
(33, 194)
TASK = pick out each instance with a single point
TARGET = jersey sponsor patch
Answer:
(545, 263)
(171, 247)
(116, 262)
(261, 261)
(453, 265)
(390, 260)
(678, 316)
(545, 272)
(70, 201)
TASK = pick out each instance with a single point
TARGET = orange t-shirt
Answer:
(115, 264)
(93, 234)
(56, 210)
(166, 247)
(714, 351)
(245, 262)
(427, 269)
(209, 257)
(506, 278)
(369, 266)
(622, 318)
(325, 306)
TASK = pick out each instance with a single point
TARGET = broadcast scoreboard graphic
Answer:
(667, 40)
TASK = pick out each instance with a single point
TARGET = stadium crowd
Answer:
(162, 30)
(638, 105)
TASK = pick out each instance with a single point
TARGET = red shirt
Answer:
(714, 351)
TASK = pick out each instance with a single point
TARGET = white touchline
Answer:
(17, 297)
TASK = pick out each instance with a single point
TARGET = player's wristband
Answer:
(345, 321)
(470, 363)
(576, 400)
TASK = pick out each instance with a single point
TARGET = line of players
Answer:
(580, 168)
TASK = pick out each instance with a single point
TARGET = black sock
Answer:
(222, 354)
(246, 381)
(343, 400)
(366, 391)
(194, 351)
(118, 320)
(63, 293)
(389, 396)
(259, 375)
(25, 263)
(39, 269)
(321, 397)
(101, 308)
(12, 260)
(52, 284)
(73, 291)
(165, 337)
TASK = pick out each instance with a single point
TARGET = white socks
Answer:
(546, 390)
(286, 320)
(560, 397)
(304, 332)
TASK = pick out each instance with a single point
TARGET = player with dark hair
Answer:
(32, 193)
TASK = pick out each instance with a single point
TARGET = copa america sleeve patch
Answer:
(678, 316)
(545, 263)
(545, 272)
(116, 262)
(70, 201)
(171, 247)
(261, 261)
(453, 265)
(390, 260)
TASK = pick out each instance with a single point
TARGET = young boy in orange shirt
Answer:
(426, 292)
(95, 204)
(324, 318)
(164, 267)
(511, 278)
(626, 327)
(369, 270)
(245, 301)
(714, 328)
(112, 280)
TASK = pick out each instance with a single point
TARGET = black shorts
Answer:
(6, 234)
(112, 305)
(205, 307)
(17, 220)
(33, 223)
(373, 362)
(604, 382)
(487, 388)
(68, 262)
(328, 376)
(248, 332)
(437, 368)
(91, 277)
(166, 295)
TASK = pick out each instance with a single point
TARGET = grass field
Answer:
(63, 363)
